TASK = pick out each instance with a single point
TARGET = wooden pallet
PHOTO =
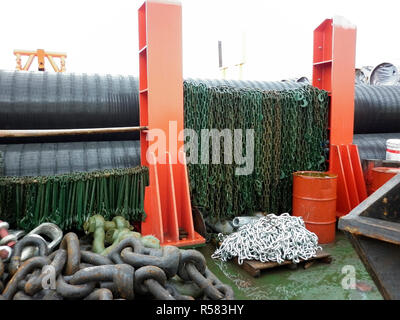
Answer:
(254, 267)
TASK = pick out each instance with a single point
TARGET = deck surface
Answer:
(319, 282)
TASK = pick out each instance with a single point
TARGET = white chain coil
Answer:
(269, 239)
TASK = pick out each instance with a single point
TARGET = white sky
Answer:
(101, 35)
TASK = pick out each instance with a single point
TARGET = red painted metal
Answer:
(381, 175)
(333, 71)
(167, 199)
(314, 199)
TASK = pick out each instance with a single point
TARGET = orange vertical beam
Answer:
(333, 71)
(343, 80)
(167, 198)
(40, 56)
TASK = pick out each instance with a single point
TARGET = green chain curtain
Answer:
(69, 200)
(290, 129)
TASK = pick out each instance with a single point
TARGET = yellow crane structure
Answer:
(41, 56)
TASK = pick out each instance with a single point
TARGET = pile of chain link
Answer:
(129, 271)
(290, 129)
(70, 199)
(269, 239)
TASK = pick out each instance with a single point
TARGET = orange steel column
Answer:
(333, 71)
(40, 56)
(167, 198)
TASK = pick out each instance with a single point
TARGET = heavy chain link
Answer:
(128, 271)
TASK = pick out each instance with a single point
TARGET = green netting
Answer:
(68, 200)
(290, 129)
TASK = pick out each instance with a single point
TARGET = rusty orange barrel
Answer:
(381, 175)
(314, 199)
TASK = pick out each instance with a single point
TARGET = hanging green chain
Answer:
(290, 129)
(69, 200)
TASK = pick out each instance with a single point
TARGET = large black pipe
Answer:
(373, 146)
(377, 109)
(66, 157)
(43, 100)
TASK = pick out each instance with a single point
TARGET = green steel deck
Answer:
(319, 282)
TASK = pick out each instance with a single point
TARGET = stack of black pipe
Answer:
(376, 119)
(41, 100)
